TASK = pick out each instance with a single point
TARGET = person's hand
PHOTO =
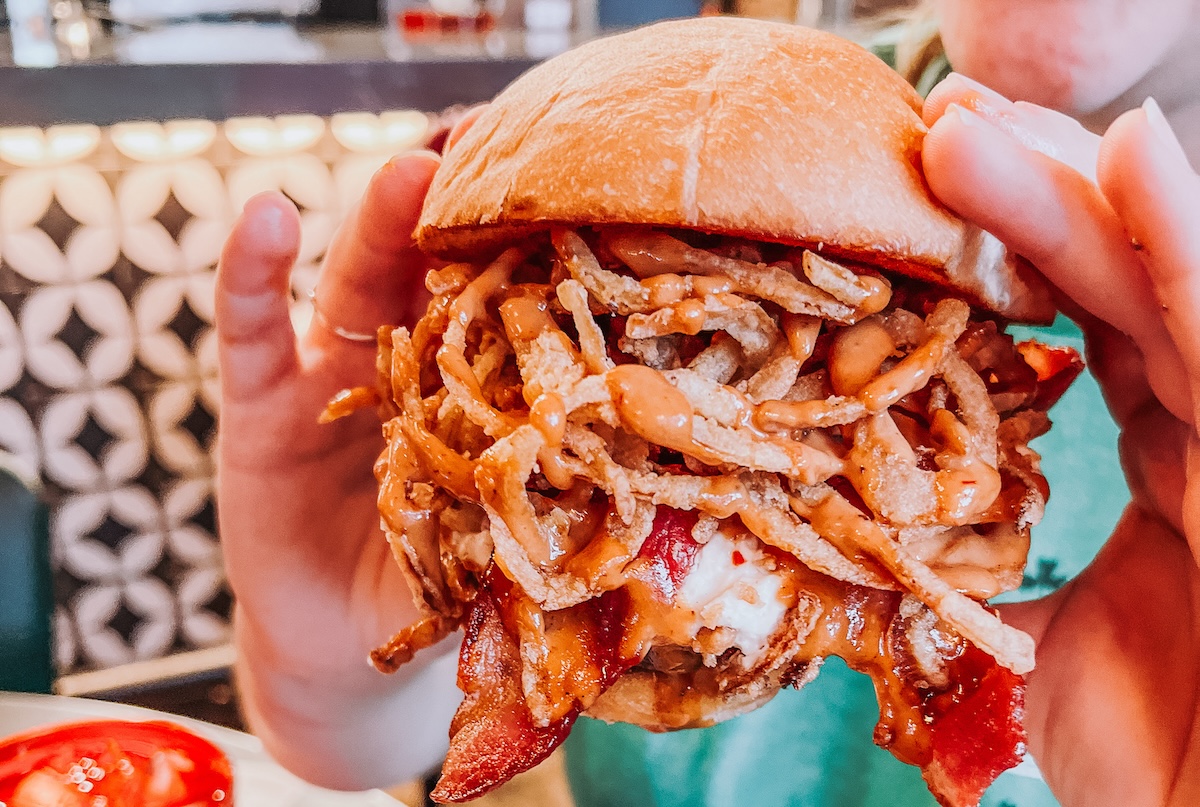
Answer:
(315, 583)
(1114, 223)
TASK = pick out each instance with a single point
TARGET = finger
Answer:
(463, 124)
(255, 341)
(1191, 494)
(1051, 214)
(1034, 616)
(1037, 128)
(1153, 452)
(1149, 182)
(1119, 368)
(373, 273)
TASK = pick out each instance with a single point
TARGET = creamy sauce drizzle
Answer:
(857, 353)
(549, 416)
(879, 294)
(651, 407)
(669, 289)
(448, 468)
(802, 332)
(910, 374)
(854, 622)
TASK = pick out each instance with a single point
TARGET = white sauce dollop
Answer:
(742, 598)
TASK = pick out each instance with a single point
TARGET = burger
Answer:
(712, 389)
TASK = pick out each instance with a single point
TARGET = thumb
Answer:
(256, 345)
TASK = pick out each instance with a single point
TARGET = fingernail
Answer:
(1001, 113)
(258, 199)
(408, 154)
(1163, 131)
(970, 116)
(406, 157)
(986, 126)
(980, 97)
(1007, 124)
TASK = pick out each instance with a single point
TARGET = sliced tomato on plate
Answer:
(113, 763)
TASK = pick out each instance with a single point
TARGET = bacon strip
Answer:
(944, 704)
(669, 551)
(495, 735)
(976, 732)
(492, 736)
(1056, 367)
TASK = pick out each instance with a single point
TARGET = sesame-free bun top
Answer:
(761, 130)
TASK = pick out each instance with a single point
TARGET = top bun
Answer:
(740, 127)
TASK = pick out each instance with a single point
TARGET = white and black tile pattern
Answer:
(108, 376)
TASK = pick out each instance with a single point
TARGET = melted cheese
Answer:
(740, 600)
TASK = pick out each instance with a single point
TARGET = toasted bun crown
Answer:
(767, 131)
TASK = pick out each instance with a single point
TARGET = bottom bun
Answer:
(666, 700)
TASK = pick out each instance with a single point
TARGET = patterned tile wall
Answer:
(108, 389)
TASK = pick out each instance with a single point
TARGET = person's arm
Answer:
(315, 583)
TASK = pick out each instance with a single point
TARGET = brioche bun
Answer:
(740, 127)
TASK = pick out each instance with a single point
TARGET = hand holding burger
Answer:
(1111, 222)
(315, 584)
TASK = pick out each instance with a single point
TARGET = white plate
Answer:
(257, 780)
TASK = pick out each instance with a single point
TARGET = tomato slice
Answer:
(113, 763)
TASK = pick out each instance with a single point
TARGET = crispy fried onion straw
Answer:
(538, 426)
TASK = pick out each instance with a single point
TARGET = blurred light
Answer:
(150, 142)
(496, 45)
(456, 8)
(78, 37)
(390, 132)
(217, 43)
(151, 11)
(28, 146)
(266, 137)
(547, 15)
(542, 44)
(74, 27)
(31, 30)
